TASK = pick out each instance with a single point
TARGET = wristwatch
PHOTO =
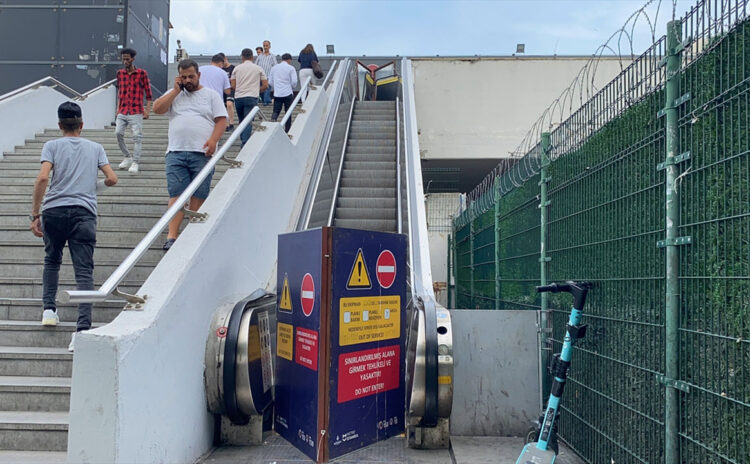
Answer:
(34, 217)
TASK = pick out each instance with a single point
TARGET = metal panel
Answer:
(495, 367)
(90, 34)
(15, 28)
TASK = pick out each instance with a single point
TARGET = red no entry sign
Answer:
(307, 294)
(385, 269)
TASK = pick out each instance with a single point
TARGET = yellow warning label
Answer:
(286, 297)
(359, 278)
(369, 319)
(253, 344)
(444, 379)
(284, 340)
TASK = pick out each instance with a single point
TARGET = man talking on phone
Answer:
(197, 118)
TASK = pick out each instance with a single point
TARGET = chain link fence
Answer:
(606, 220)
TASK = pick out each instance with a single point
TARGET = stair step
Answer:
(31, 287)
(25, 309)
(34, 457)
(42, 431)
(33, 333)
(36, 361)
(355, 192)
(367, 213)
(26, 393)
(31, 248)
(366, 203)
(369, 182)
(389, 225)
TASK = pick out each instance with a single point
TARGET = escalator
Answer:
(370, 178)
(367, 175)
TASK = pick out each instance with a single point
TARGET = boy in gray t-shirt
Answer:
(68, 212)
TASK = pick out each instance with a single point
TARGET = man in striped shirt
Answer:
(266, 60)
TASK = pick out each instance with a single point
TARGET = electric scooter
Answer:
(539, 452)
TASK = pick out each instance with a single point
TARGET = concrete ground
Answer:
(464, 450)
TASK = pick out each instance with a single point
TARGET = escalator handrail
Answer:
(423, 296)
(419, 248)
(399, 216)
(309, 202)
(332, 210)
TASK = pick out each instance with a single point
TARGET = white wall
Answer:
(30, 112)
(483, 107)
(137, 391)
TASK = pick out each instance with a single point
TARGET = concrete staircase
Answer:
(367, 193)
(35, 365)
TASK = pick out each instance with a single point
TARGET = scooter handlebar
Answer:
(577, 289)
(554, 288)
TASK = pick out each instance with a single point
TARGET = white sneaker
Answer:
(126, 163)
(50, 317)
(133, 168)
(72, 341)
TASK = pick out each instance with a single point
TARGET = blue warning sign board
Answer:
(341, 348)
(298, 340)
(368, 332)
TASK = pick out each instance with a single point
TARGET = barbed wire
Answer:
(513, 173)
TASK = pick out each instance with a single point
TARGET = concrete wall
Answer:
(496, 386)
(137, 391)
(32, 111)
(483, 107)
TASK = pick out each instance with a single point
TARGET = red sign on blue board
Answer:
(306, 348)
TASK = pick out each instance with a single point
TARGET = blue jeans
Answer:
(181, 168)
(77, 226)
(244, 105)
(267, 96)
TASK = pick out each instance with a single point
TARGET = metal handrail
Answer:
(295, 101)
(419, 245)
(110, 285)
(96, 89)
(36, 85)
(326, 82)
(399, 217)
(341, 165)
(309, 202)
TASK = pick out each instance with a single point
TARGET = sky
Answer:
(415, 27)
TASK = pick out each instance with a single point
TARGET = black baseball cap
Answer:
(68, 110)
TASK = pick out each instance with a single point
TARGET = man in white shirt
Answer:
(248, 80)
(197, 118)
(266, 60)
(215, 78)
(283, 79)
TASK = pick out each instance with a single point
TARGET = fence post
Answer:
(671, 422)
(448, 270)
(544, 324)
(471, 259)
(496, 196)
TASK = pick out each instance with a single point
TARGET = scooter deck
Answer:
(533, 455)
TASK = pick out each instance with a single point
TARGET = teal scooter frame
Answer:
(539, 452)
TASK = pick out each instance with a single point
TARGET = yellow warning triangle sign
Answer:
(286, 297)
(359, 278)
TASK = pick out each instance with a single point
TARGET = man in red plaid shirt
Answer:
(132, 84)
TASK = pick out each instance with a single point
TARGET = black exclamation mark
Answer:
(359, 271)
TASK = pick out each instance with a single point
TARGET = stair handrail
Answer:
(98, 88)
(55, 83)
(37, 84)
(296, 100)
(109, 287)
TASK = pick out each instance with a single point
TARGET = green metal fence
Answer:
(646, 194)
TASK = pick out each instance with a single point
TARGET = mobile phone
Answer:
(182, 86)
